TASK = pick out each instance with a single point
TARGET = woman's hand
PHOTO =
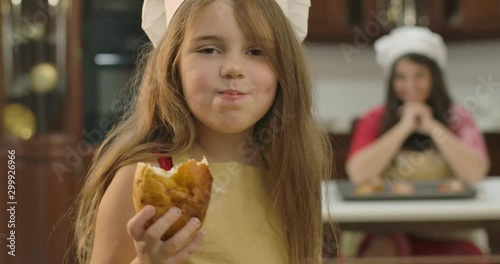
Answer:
(409, 115)
(427, 124)
(148, 244)
(417, 117)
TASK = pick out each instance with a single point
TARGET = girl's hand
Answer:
(148, 244)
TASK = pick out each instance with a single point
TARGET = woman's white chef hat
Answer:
(410, 39)
(156, 15)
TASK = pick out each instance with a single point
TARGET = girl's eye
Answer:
(207, 50)
(256, 52)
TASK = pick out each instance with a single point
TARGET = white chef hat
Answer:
(409, 39)
(156, 16)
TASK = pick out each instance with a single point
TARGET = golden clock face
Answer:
(43, 78)
(19, 121)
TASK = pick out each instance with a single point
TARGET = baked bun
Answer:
(451, 186)
(403, 188)
(369, 188)
(186, 186)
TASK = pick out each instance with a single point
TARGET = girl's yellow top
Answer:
(239, 226)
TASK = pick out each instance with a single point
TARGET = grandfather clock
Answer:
(41, 151)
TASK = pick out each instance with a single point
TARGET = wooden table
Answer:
(482, 211)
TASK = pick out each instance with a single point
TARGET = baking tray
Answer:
(424, 190)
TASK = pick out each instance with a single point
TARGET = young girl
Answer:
(418, 135)
(229, 81)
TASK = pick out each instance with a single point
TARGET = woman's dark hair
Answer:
(438, 100)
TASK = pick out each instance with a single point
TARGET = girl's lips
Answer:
(231, 95)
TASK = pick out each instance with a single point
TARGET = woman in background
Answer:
(419, 134)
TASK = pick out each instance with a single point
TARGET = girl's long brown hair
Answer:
(439, 100)
(297, 153)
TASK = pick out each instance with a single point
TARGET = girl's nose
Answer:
(232, 67)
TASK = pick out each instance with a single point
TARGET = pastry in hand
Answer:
(186, 186)
(451, 186)
(402, 188)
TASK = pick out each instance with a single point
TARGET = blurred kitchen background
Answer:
(65, 66)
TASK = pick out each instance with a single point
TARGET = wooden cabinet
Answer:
(363, 21)
(493, 145)
(40, 102)
(340, 146)
(480, 15)
(343, 20)
(465, 19)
